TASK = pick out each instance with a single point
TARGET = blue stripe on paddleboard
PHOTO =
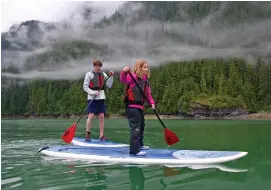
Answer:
(97, 141)
(151, 153)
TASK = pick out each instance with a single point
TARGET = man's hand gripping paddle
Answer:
(70, 132)
(170, 137)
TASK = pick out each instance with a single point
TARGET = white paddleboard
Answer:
(153, 155)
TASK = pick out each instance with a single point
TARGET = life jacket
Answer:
(134, 95)
(97, 81)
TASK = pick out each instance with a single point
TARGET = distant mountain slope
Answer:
(144, 29)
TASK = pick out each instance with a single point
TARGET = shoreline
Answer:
(254, 116)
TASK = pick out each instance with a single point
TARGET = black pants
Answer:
(136, 121)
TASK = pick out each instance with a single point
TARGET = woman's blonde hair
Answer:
(137, 68)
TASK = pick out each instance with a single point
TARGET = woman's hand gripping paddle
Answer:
(170, 137)
(70, 132)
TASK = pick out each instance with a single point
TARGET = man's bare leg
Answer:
(101, 124)
(89, 125)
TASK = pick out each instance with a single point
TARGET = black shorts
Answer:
(96, 106)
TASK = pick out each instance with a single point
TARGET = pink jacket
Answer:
(126, 79)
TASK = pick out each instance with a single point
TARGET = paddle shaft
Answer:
(146, 98)
(91, 101)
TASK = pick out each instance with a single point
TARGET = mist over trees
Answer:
(201, 86)
(176, 87)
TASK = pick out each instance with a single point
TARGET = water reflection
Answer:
(137, 178)
(114, 176)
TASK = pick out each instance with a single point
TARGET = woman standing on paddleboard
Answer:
(135, 102)
(94, 87)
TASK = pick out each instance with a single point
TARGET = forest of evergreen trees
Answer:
(176, 87)
(223, 86)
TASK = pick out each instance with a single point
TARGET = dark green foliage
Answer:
(175, 87)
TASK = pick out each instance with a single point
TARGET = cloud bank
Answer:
(156, 41)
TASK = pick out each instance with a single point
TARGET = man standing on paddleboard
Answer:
(94, 86)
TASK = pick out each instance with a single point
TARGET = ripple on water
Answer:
(22, 169)
(50, 173)
(11, 182)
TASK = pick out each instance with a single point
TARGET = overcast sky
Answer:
(16, 11)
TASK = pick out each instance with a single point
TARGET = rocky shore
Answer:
(254, 116)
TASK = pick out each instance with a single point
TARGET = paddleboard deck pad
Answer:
(153, 155)
(96, 143)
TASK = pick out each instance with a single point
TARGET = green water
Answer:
(22, 169)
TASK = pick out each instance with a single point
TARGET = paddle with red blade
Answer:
(170, 137)
(70, 132)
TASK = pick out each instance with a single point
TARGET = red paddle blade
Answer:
(170, 137)
(69, 134)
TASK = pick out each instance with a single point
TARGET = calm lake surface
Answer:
(21, 168)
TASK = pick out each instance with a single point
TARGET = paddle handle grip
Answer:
(146, 98)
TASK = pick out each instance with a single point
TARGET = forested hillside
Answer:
(207, 86)
(176, 87)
